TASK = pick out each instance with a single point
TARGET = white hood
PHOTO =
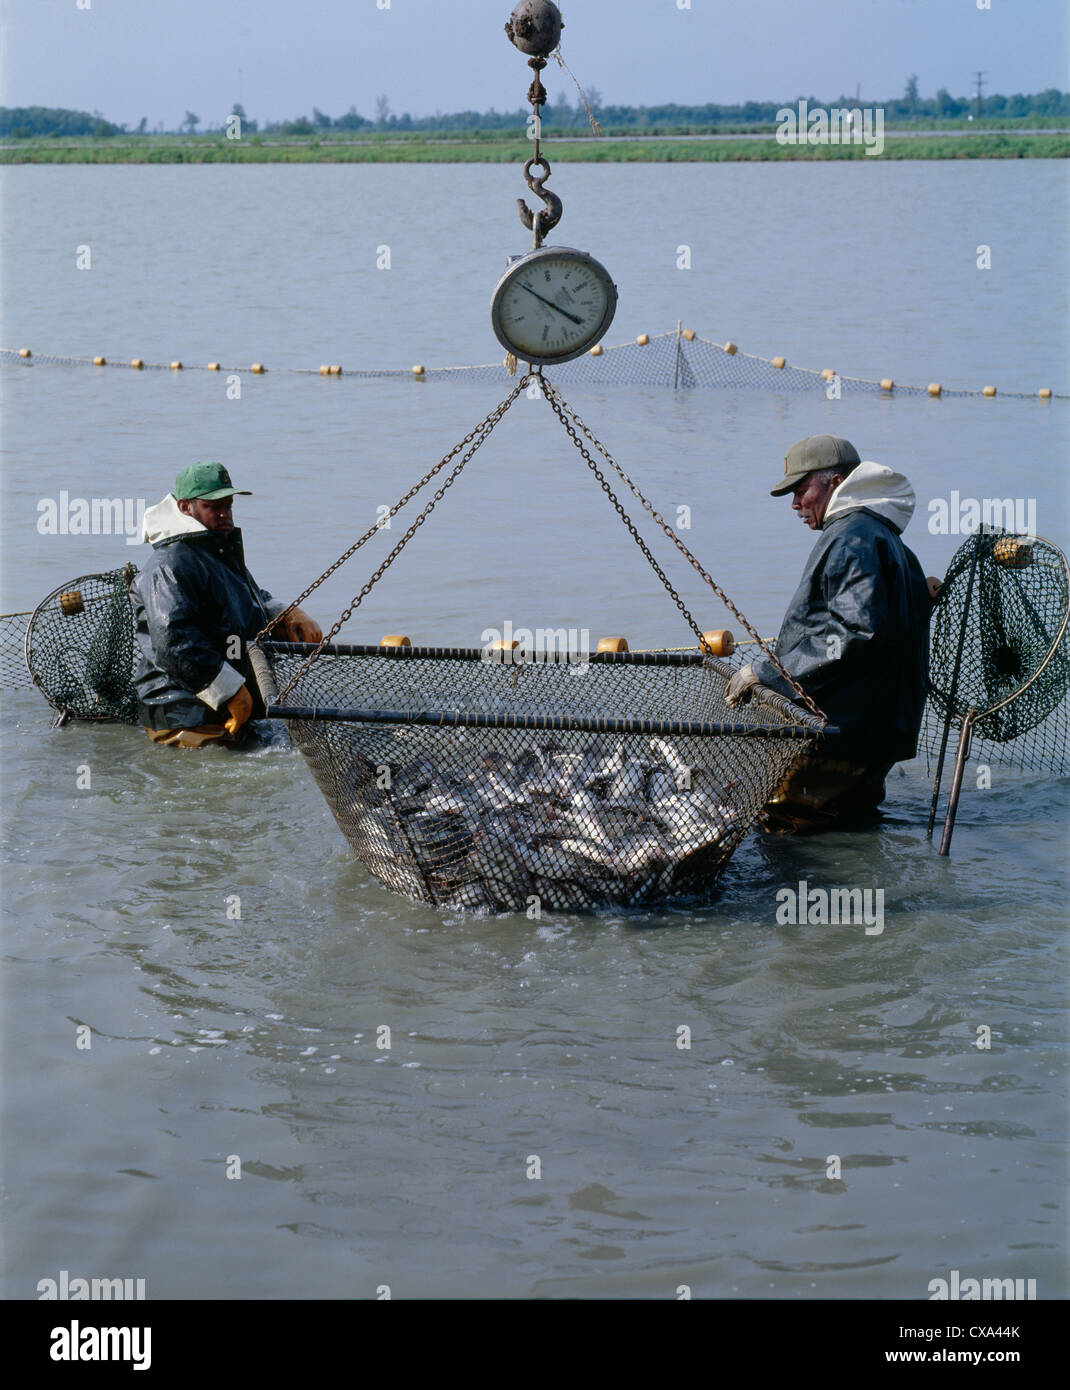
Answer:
(876, 487)
(165, 520)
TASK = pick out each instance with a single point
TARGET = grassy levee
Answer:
(481, 148)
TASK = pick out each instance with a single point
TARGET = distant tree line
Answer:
(41, 121)
(23, 122)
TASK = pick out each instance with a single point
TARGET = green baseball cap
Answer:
(209, 481)
(811, 454)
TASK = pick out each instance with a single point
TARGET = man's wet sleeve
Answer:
(838, 633)
(846, 635)
(175, 614)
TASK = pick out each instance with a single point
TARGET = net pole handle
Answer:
(965, 739)
(951, 699)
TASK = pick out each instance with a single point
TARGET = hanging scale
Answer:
(553, 303)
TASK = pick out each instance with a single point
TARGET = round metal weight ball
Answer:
(535, 27)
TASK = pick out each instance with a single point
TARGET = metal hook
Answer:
(548, 217)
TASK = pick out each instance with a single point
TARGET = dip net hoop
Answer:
(1000, 663)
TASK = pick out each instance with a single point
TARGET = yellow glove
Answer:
(297, 626)
(239, 707)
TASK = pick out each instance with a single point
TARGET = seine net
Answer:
(80, 647)
(614, 780)
(1000, 647)
(682, 360)
(13, 672)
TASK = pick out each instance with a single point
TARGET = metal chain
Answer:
(561, 410)
(481, 433)
(627, 520)
(378, 526)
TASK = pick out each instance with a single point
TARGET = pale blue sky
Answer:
(156, 58)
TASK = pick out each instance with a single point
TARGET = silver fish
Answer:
(572, 772)
(629, 785)
(414, 778)
(639, 852)
(593, 859)
(564, 859)
(670, 755)
(704, 780)
(494, 857)
(661, 786)
(710, 805)
(557, 777)
(493, 790)
(446, 804)
(598, 765)
(587, 813)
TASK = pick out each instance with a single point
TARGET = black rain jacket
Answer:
(191, 597)
(856, 634)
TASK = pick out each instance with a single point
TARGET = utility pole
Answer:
(979, 80)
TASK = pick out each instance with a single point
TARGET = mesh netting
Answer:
(1000, 647)
(619, 780)
(80, 647)
(13, 672)
(669, 359)
(678, 359)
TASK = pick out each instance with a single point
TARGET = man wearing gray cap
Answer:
(855, 636)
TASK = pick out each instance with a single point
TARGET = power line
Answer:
(979, 82)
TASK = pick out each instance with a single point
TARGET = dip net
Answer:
(80, 650)
(504, 780)
(1000, 663)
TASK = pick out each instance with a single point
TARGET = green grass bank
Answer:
(419, 149)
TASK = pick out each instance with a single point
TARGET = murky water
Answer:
(219, 1038)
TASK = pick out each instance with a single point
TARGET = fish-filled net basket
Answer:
(615, 780)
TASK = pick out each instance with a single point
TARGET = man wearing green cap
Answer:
(196, 607)
(855, 637)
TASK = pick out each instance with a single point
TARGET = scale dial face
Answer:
(552, 305)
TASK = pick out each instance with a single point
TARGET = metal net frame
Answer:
(494, 780)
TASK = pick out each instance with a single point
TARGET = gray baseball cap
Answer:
(811, 454)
